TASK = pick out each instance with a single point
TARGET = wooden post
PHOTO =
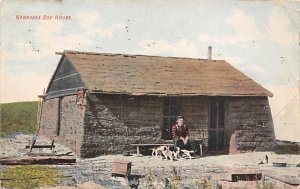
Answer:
(201, 153)
(52, 146)
(32, 143)
(200, 143)
(263, 181)
(137, 150)
(40, 109)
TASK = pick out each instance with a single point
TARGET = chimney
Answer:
(209, 53)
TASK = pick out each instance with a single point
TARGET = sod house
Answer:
(100, 103)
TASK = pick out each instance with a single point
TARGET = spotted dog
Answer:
(186, 153)
(158, 151)
(168, 154)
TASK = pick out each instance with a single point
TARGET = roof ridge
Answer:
(133, 55)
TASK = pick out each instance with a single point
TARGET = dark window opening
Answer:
(170, 112)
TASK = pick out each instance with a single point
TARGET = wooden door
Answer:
(217, 134)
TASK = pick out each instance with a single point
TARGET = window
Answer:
(170, 113)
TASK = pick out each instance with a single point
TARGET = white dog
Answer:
(177, 152)
(158, 151)
(186, 153)
(182, 153)
(168, 154)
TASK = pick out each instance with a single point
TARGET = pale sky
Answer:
(260, 38)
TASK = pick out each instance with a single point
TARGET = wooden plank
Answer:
(62, 90)
(40, 146)
(67, 176)
(66, 76)
(41, 154)
(285, 179)
(139, 145)
(152, 144)
(38, 160)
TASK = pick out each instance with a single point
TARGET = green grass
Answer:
(30, 176)
(18, 117)
(287, 149)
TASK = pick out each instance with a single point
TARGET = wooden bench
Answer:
(139, 145)
(166, 144)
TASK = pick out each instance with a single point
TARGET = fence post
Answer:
(263, 180)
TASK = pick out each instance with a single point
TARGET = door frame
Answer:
(217, 126)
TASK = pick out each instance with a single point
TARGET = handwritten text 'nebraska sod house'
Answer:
(100, 103)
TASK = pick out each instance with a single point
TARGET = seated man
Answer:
(180, 134)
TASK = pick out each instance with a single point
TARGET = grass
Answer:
(30, 176)
(287, 149)
(150, 179)
(172, 182)
(18, 117)
(202, 183)
(175, 180)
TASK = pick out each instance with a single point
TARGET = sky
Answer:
(260, 38)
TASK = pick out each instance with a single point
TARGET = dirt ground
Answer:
(152, 172)
(86, 185)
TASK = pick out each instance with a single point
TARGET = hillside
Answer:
(18, 117)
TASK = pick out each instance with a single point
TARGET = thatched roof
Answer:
(153, 75)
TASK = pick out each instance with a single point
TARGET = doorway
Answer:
(217, 134)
